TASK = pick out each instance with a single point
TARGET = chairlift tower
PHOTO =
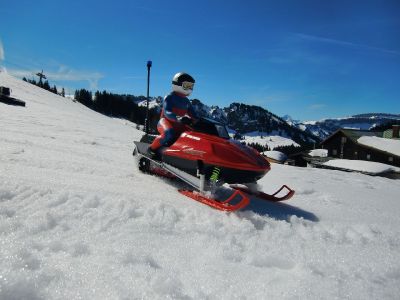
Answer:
(41, 76)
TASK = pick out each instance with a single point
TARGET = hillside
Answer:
(79, 221)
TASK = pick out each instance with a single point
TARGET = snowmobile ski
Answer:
(268, 197)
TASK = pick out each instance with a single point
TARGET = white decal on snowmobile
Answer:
(191, 136)
(192, 151)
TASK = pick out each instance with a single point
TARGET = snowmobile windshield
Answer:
(222, 132)
(211, 127)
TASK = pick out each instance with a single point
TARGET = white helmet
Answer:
(183, 83)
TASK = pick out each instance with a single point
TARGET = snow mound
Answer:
(318, 153)
(276, 155)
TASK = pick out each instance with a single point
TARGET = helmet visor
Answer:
(186, 85)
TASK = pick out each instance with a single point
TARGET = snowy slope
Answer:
(78, 221)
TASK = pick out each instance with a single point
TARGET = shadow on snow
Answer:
(279, 210)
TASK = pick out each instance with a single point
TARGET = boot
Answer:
(151, 153)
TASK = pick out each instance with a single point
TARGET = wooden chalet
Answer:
(344, 144)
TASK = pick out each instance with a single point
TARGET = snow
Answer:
(272, 141)
(302, 127)
(79, 221)
(153, 103)
(388, 145)
(362, 166)
(319, 153)
(276, 155)
(357, 126)
(310, 122)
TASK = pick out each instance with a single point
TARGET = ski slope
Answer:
(79, 221)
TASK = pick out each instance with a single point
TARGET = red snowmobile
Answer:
(220, 171)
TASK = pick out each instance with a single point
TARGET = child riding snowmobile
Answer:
(177, 111)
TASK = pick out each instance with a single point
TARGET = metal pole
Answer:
(149, 63)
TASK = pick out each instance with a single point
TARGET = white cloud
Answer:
(317, 106)
(134, 77)
(344, 43)
(63, 73)
(21, 73)
(67, 74)
(1, 51)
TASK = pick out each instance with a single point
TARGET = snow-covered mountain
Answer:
(255, 121)
(153, 102)
(79, 221)
(325, 127)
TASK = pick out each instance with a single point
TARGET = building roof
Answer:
(387, 145)
(354, 134)
(370, 139)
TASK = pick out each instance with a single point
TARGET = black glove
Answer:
(186, 120)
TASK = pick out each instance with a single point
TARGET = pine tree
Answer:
(46, 85)
(85, 97)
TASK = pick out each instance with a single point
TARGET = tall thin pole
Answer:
(149, 63)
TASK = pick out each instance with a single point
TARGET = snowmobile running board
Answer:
(238, 198)
(201, 195)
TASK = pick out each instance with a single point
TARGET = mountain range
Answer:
(251, 120)
(325, 127)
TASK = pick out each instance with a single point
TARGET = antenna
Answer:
(147, 122)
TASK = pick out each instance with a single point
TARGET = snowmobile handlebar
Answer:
(186, 120)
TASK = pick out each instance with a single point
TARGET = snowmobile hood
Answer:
(217, 151)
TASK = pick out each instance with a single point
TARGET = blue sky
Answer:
(308, 59)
